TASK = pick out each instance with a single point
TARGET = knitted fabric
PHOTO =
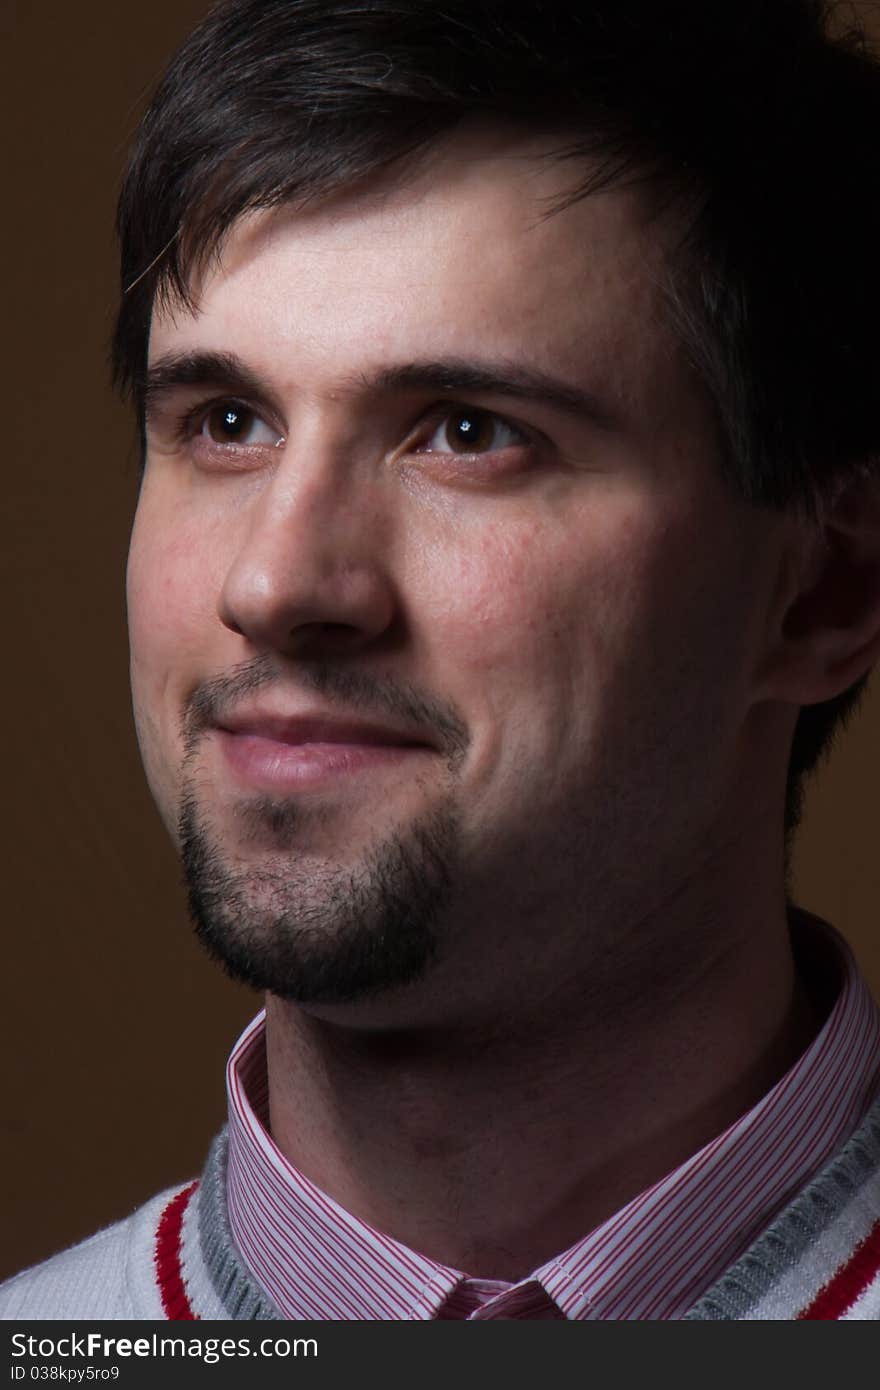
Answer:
(175, 1258)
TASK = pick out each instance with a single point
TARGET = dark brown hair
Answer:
(746, 113)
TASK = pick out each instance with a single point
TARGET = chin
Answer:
(312, 931)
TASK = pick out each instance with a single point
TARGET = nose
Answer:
(311, 567)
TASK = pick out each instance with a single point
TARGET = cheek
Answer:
(171, 589)
(540, 614)
(171, 595)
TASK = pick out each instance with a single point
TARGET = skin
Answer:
(621, 640)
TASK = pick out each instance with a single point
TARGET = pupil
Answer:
(227, 423)
(470, 431)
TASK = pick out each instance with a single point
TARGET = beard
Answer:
(320, 933)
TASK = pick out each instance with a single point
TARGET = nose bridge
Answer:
(312, 497)
(310, 550)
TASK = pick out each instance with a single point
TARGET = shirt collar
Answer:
(652, 1259)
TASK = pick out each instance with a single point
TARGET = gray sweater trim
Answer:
(233, 1283)
(779, 1249)
(799, 1225)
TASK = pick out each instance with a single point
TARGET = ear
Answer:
(824, 632)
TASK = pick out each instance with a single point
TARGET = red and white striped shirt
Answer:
(653, 1259)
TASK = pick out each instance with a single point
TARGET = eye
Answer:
(466, 431)
(230, 422)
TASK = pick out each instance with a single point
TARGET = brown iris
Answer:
(470, 431)
(228, 423)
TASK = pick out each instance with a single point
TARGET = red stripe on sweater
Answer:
(169, 1270)
(841, 1292)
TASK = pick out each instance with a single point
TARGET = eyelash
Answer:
(435, 419)
(188, 427)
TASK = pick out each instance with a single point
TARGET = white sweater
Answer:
(175, 1257)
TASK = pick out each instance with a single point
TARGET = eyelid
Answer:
(435, 416)
(189, 423)
(186, 424)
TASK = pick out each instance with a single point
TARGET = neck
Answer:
(493, 1147)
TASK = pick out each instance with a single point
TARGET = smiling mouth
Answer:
(300, 754)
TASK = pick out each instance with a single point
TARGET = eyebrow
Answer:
(450, 376)
(223, 370)
(455, 375)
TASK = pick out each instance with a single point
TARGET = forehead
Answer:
(468, 249)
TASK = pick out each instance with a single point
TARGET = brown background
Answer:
(116, 1028)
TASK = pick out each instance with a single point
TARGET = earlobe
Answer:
(825, 633)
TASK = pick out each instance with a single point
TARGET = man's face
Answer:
(441, 616)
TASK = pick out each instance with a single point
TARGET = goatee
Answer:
(317, 933)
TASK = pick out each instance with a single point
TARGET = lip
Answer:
(303, 752)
